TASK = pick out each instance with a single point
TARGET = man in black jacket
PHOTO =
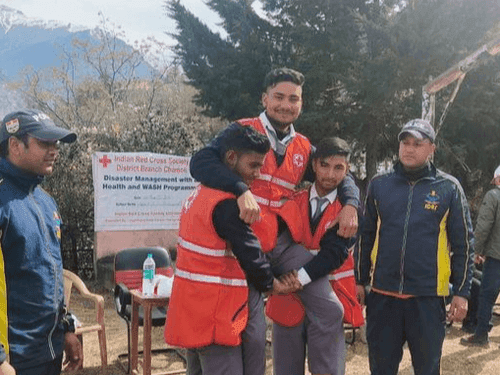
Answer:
(416, 240)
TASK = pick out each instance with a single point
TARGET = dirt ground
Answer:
(457, 359)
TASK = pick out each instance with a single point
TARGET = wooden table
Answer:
(147, 303)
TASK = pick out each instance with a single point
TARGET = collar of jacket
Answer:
(427, 171)
(24, 180)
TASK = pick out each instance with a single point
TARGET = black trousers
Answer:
(390, 322)
(48, 368)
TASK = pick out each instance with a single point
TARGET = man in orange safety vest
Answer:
(219, 256)
(312, 317)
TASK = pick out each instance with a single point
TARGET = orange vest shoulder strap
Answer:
(254, 122)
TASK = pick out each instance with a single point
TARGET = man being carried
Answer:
(217, 254)
(285, 166)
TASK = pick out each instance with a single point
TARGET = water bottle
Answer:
(148, 276)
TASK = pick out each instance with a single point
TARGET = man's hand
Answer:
(74, 352)
(348, 222)
(249, 208)
(287, 283)
(458, 309)
(360, 294)
(479, 259)
(7, 369)
(291, 280)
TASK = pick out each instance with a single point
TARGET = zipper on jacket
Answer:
(47, 246)
(405, 235)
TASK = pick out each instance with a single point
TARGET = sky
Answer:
(138, 18)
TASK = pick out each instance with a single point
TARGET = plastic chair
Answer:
(128, 275)
(71, 281)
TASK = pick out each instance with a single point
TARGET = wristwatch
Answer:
(68, 322)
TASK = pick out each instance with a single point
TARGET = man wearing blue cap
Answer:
(416, 240)
(31, 272)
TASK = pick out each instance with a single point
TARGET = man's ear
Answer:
(263, 99)
(13, 149)
(431, 156)
(14, 145)
(313, 164)
(231, 157)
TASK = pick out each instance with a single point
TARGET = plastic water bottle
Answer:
(148, 276)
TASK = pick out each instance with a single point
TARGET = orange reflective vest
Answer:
(209, 301)
(342, 279)
(276, 185)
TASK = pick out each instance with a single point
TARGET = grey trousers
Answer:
(249, 358)
(215, 360)
(321, 334)
(254, 336)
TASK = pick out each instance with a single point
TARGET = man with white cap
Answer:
(36, 327)
(487, 247)
(416, 240)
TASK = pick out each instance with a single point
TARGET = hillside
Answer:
(30, 42)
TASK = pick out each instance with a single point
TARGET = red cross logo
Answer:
(298, 160)
(105, 161)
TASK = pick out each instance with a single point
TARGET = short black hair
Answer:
(245, 139)
(332, 146)
(278, 75)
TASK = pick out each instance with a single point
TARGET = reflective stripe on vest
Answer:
(341, 275)
(205, 250)
(210, 279)
(270, 203)
(277, 181)
(289, 173)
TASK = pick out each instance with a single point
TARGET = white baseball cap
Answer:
(496, 174)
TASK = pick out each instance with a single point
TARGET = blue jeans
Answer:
(490, 286)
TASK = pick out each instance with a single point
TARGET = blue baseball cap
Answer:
(35, 123)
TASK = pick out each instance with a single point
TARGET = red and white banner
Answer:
(139, 191)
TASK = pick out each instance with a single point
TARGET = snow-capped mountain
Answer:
(26, 41)
(10, 18)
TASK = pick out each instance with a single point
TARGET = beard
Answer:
(278, 125)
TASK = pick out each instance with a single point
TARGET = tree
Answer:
(229, 72)
(98, 91)
(224, 77)
(365, 63)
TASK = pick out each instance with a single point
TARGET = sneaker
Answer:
(475, 340)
